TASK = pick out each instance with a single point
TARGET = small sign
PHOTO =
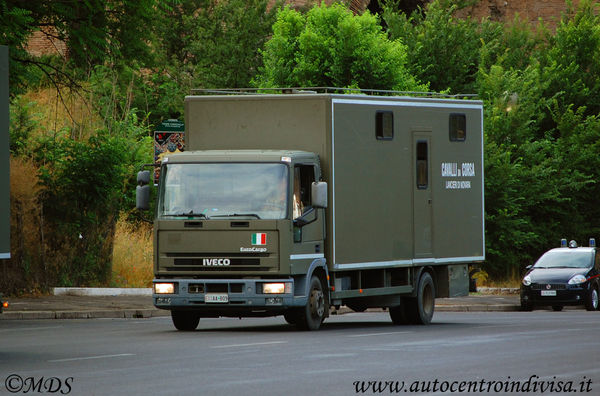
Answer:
(168, 139)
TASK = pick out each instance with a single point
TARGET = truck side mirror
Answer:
(142, 191)
(319, 194)
(143, 178)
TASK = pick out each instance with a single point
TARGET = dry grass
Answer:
(70, 109)
(132, 256)
(483, 280)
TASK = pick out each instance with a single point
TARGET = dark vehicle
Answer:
(3, 304)
(563, 276)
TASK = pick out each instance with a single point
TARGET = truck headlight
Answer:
(164, 288)
(527, 280)
(276, 288)
(577, 279)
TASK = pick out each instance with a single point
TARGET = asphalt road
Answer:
(492, 351)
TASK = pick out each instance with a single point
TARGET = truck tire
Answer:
(312, 315)
(419, 309)
(185, 320)
(291, 316)
(591, 300)
(398, 314)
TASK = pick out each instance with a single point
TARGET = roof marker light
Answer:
(592, 242)
(573, 244)
(563, 242)
(286, 159)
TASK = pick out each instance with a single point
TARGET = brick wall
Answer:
(529, 10)
(41, 43)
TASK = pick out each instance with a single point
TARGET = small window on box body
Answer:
(422, 165)
(458, 127)
(384, 125)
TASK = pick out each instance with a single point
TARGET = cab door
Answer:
(308, 221)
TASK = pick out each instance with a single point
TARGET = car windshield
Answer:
(207, 190)
(565, 259)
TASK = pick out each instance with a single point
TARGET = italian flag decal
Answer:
(259, 239)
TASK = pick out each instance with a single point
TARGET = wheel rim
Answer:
(317, 303)
(595, 298)
(428, 300)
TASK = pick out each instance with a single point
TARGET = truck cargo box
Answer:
(405, 174)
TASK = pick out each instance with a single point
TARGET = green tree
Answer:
(331, 47)
(86, 184)
(570, 59)
(444, 50)
(95, 31)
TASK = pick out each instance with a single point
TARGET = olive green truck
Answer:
(296, 204)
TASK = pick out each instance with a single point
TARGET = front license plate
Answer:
(216, 298)
(548, 293)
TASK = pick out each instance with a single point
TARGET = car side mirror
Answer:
(529, 267)
(319, 194)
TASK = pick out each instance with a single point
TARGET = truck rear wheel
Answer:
(419, 309)
(313, 314)
(185, 320)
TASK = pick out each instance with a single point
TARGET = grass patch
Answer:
(132, 255)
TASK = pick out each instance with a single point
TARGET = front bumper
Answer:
(244, 297)
(565, 295)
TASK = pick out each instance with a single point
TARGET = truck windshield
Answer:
(256, 190)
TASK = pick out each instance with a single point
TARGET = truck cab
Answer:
(240, 233)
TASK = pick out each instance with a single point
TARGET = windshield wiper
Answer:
(239, 215)
(188, 214)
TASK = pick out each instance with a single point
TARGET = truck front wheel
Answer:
(398, 314)
(313, 314)
(185, 320)
(419, 309)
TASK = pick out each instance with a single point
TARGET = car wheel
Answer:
(419, 310)
(526, 306)
(185, 320)
(557, 308)
(591, 302)
(313, 314)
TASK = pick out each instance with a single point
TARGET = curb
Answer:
(101, 291)
(94, 314)
(498, 290)
(478, 308)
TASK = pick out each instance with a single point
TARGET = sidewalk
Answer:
(128, 303)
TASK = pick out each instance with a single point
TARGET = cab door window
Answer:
(304, 176)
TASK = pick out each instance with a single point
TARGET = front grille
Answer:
(197, 288)
(215, 268)
(544, 286)
(232, 262)
(195, 255)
